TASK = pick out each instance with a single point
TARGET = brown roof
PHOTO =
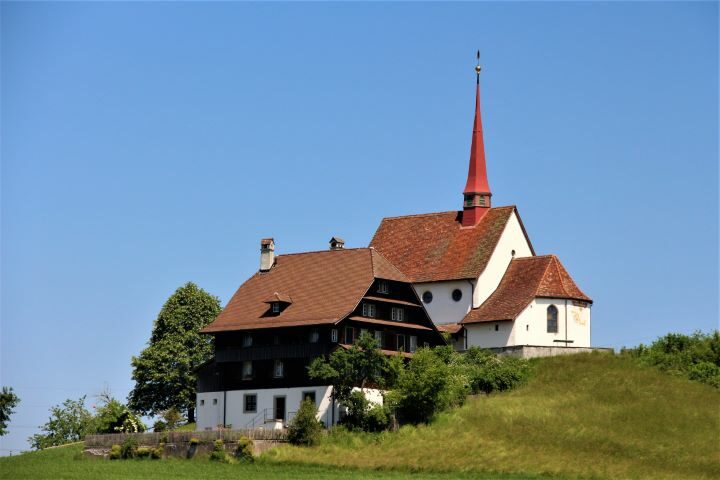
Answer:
(451, 328)
(435, 246)
(324, 286)
(525, 279)
(278, 297)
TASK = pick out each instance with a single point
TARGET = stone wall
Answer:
(533, 351)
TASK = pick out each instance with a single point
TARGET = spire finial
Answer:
(478, 67)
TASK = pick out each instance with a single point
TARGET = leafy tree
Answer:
(69, 422)
(165, 372)
(8, 402)
(305, 427)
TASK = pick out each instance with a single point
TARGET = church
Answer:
(469, 277)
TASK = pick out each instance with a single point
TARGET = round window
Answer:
(457, 294)
(427, 297)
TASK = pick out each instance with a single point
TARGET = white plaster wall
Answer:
(511, 239)
(210, 415)
(484, 335)
(443, 309)
(531, 324)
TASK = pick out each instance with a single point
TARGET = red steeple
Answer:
(476, 201)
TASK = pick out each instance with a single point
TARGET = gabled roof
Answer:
(436, 247)
(525, 279)
(278, 297)
(324, 287)
(451, 328)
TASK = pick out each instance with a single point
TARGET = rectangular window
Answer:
(426, 344)
(247, 341)
(413, 343)
(378, 338)
(309, 396)
(279, 370)
(214, 401)
(349, 335)
(276, 307)
(383, 287)
(250, 403)
(401, 343)
(334, 335)
(314, 336)
(247, 370)
(368, 310)
(202, 402)
(398, 314)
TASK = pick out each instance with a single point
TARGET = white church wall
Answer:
(511, 239)
(573, 324)
(490, 334)
(443, 309)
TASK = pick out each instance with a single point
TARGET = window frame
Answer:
(245, 402)
(334, 335)
(247, 341)
(281, 364)
(383, 287)
(275, 307)
(397, 314)
(404, 342)
(369, 310)
(352, 335)
(247, 376)
(413, 344)
(307, 393)
(553, 311)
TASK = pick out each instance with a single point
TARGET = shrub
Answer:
(114, 417)
(377, 419)
(218, 452)
(129, 448)
(194, 441)
(244, 450)
(172, 418)
(159, 426)
(305, 428)
(157, 452)
(143, 452)
(115, 452)
(357, 406)
(487, 372)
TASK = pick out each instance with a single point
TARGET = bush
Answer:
(157, 452)
(115, 452)
(305, 428)
(244, 450)
(194, 441)
(159, 426)
(143, 452)
(218, 452)
(129, 448)
(487, 372)
(377, 419)
(114, 417)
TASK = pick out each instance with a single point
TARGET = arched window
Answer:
(552, 315)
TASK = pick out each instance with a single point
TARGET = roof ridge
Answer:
(322, 251)
(542, 279)
(374, 251)
(533, 257)
(443, 213)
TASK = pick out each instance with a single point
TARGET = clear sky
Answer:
(146, 145)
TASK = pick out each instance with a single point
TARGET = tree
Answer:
(165, 372)
(69, 422)
(305, 427)
(8, 402)
(114, 417)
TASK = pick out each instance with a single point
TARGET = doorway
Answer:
(279, 408)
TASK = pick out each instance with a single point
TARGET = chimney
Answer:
(337, 243)
(267, 254)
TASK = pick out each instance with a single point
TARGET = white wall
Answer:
(209, 411)
(511, 239)
(531, 324)
(443, 309)
(484, 335)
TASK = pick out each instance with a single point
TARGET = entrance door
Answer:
(280, 408)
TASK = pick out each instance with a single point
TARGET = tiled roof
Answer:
(435, 246)
(451, 328)
(525, 279)
(278, 297)
(324, 287)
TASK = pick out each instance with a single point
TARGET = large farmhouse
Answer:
(472, 274)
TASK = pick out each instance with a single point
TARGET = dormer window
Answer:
(369, 310)
(383, 287)
(275, 307)
(398, 314)
(278, 302)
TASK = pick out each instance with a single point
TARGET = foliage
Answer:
(129, 448)
(489, 373)
(114, 417)
(8, 402)
(305, 428)
(244, 450)
(157, 452)
(165, 372)
(159, 426)
(115, 452)
(695, 356)
(172, 418)
(144, 452)
(69, 422)
(218, 452)
(194, 441)
(365, 416)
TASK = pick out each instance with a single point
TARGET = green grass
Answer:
(66, 463)
(592, 416)
(188, 427)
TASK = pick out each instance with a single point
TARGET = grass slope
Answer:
(65, 463)
(593, 415)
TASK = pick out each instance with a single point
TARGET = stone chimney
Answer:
(267, 254)
(337, 243)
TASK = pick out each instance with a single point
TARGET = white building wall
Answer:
(210, 406)
(511, 239)
(485, 335)
(443, 309)
(573, 324)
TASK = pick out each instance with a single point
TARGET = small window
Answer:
(527, 328)
(552, 319)
(314, 336)
(276, 307)
(334, 335)
(383, 287)
(512, 253)
(401, 343)
(427, 297)
(202, 402)
(214, 401)
(413, 343)
(247, 341)
(426, 344)
(279, 370)
(457, 294)
(250, 403)
(247, 370)
(309, 396)
(349, 335)
(378, 338)
(497, 327)
(398, 314)
(369, 310)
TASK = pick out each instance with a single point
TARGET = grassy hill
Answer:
(588, 415)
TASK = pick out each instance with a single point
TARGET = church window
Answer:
(383, 287)
(369, 310)
(457, 294)
(427, 297)
(552, 319)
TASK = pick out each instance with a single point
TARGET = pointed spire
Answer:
(477, 190)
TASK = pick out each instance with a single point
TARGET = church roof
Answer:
(525, 279)
(324, 287)
(436, 247)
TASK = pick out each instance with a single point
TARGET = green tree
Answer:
(165, 372)
(69, 422)
(305, 428)
(114, 417)
(8, 402)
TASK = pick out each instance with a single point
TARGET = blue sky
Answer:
(146, 145)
